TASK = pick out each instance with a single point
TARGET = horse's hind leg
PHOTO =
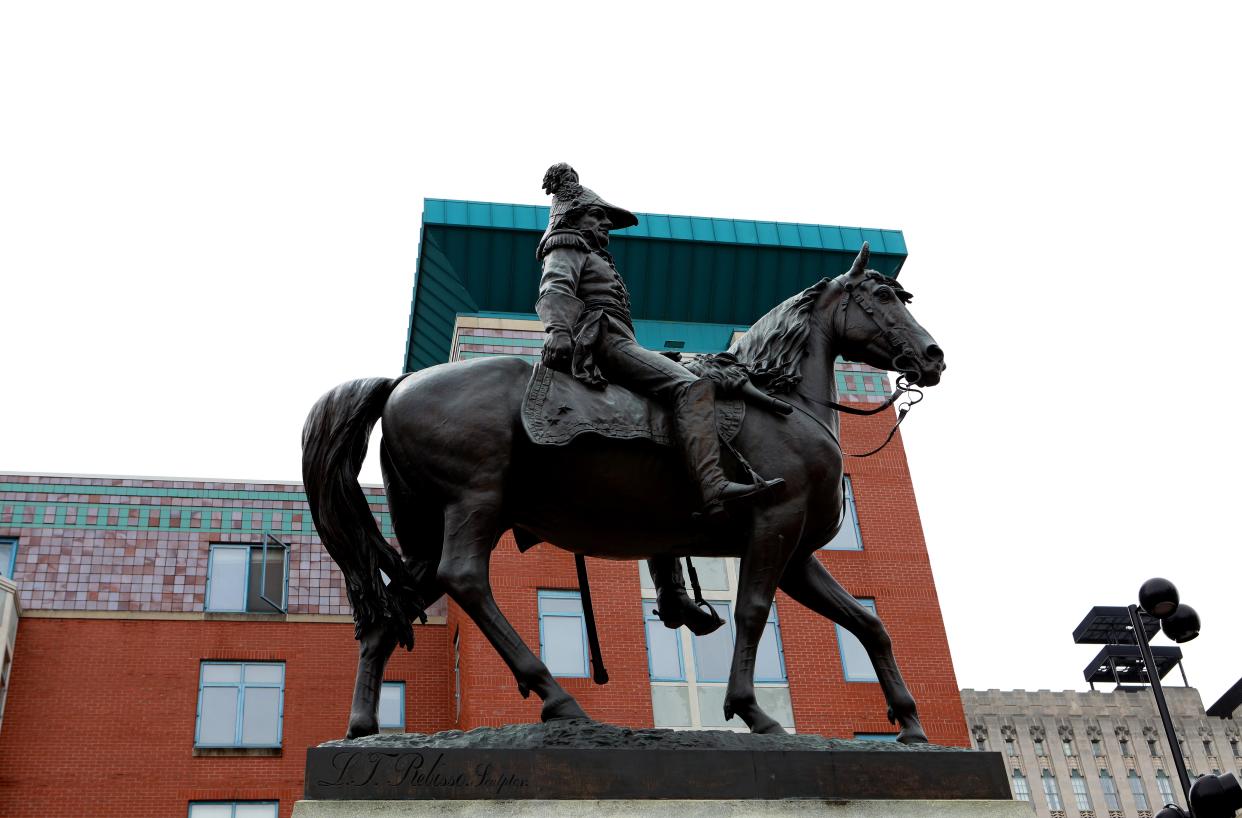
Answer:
(415, 524)
(375, 646)
(810, 583)
(471, 531)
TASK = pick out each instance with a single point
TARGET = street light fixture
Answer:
(1211, 796)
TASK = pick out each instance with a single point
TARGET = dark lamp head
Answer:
(1216, 796)
(1182, 625)
(1158, 597)
(1172, 811)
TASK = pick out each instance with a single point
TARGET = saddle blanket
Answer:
(557, 408)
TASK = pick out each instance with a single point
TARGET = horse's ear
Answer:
(860, 263)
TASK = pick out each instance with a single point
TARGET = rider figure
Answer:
(585, 309)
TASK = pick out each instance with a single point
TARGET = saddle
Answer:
(557, 408)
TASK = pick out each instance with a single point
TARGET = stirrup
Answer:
(698, 629)
(746, 491)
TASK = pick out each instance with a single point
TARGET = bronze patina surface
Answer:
(459, 468)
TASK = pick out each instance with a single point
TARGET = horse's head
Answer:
(871, 324)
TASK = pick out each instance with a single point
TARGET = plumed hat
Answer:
(568, 195)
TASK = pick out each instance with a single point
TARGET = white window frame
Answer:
(239, 727)
(723, 600)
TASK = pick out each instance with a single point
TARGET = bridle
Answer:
(913, 394)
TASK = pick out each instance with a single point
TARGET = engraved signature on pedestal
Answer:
(370, 768)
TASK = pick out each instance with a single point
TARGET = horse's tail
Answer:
(334, 444)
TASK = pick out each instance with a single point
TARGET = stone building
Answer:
(1096, 754)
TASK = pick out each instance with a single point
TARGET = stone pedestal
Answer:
(580, 768)
(800, 808)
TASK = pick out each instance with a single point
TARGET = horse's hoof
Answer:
(558, 709)
(912, 735)
(358, 728)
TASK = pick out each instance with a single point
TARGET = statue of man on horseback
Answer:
(585, 310)
(461, 468)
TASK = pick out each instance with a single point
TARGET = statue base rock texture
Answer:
(579, 760)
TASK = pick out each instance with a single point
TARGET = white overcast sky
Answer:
(209, 215)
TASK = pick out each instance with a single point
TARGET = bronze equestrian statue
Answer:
(459, 470)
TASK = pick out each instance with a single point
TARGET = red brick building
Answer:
(181, 643)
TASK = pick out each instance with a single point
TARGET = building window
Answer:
(1067, 746)
(1207, 747)
(1081, 797)
(234, 809)
(1126, 750)
(849, 538)
(240, 704)
(1110, 791)
(1040, 749)
(1166, 788)
(248, 578)
(562, 634)
(8, 557)
(1021, 790)
(1153, 747)
(1237, 749)
(1136, 789)
(854, 659)
(689, 673)
(392, 706)
(981, 743)
(1052, 792)
(1097, 749)
(1011, 747)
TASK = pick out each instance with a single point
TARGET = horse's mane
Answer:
(774, 347)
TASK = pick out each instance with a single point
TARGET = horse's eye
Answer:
(884, 294)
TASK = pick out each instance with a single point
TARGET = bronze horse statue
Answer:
(459, 470)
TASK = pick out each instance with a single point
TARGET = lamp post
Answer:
(1211, 796)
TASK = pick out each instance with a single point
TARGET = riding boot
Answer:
(694, 416)
(676, 608)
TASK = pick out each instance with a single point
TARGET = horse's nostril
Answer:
(935, 353)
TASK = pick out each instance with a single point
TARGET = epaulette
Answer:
(561, 238)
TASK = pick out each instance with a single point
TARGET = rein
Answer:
(903, 388)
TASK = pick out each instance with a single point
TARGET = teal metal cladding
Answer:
(480, 257)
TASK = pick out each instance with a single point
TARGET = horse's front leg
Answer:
(810, 584)
(762, 565)
(471, 530)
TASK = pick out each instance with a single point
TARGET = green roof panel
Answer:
(681, 270)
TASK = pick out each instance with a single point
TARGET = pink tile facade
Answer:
(130, 544)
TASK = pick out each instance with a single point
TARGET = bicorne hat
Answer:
(568, 195)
